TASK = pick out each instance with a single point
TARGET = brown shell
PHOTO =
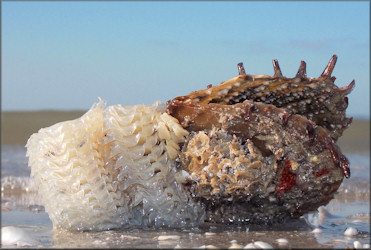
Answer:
(317, 99)
(259, 162)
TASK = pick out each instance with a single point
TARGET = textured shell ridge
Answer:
(317, 99)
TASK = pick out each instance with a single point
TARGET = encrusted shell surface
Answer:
(114, 167)
(258, 165)
(263, 148)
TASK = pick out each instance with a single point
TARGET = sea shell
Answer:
(255, 158)
(253, 149)
(252, 162)
(114, 167)
(317, 99)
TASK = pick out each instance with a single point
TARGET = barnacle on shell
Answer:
(253, 149)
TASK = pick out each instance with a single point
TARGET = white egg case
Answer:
(114, 167)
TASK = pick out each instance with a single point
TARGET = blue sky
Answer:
(64, 55)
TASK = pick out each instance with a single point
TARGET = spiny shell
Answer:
(317, 99)
(262, 148)
(111, 168)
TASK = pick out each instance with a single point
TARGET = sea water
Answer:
(21, 208)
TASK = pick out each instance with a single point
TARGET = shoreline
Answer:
(18, 126)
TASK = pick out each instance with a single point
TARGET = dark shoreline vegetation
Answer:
(17, 127)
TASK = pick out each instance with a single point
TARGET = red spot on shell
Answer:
(288, 179)
(339, 159)
(346, 100)
(321, 172)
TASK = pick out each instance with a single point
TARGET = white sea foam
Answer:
(16, 236)
(17, 184)
(351, 231)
